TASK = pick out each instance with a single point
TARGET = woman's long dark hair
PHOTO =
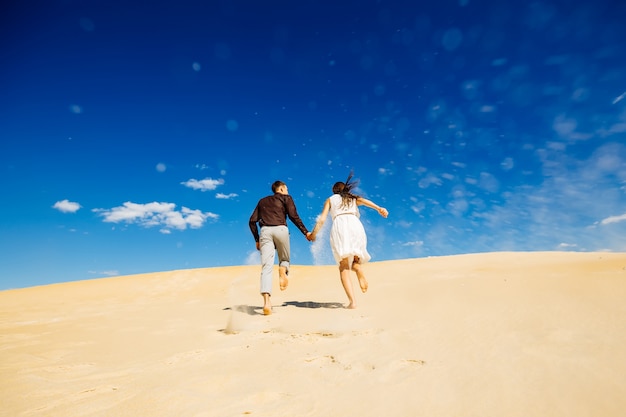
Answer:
(344, 189)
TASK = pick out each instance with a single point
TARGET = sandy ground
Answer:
(498, 334)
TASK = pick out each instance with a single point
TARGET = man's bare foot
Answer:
(267, 310)
(282, 278)
(351, 306)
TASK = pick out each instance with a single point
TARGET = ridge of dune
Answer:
(503, 333)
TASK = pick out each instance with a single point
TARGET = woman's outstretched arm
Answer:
(367, 203)
(321, 219)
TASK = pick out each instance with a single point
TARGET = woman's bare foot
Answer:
(351, 306)
(363, 283)
(267, 310)
(282, 278)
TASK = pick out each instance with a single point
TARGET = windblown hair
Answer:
(276, 185)
(344, 189)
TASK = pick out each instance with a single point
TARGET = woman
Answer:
(348, 240)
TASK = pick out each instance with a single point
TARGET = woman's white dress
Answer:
(347, 235)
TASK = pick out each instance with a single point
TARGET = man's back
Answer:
(272, 210)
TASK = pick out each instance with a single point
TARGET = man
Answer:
(271, 214)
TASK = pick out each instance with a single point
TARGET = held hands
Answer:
(311, 236)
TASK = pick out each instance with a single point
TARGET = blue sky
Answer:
(138, 136)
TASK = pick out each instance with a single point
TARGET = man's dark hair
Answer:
(277, 184)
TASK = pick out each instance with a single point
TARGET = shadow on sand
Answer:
(249, 310)
(311, 304)
(258, 310)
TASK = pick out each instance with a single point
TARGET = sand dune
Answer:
(499, 334)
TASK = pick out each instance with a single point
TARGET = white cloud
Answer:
(203, 185)
(404, 224)
(253, 258)
(507, 164)
(617, 128)
(226, 196)
(110, 273)
(574, 194)
(619, 98)
(66, 206)
(564, 125)
(566, 245)
(428, 181)
(488, 182)
(447, 176)
(613, 219)
(153, 214)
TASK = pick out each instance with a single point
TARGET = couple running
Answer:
(348, 240)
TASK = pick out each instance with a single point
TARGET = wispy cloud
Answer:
(253, 258)
(66, 206)
(110, 273)
(414, 243)
(429, 180)
(154, 214)
(613, 219)
(206, 184)
(566, 246)
(577, 204)
(226, 196)
(563, 207)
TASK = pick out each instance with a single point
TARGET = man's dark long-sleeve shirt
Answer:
(273, 210)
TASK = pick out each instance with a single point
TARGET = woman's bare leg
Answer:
(346, 281)
(356, 267)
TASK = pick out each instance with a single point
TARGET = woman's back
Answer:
(337, 207)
